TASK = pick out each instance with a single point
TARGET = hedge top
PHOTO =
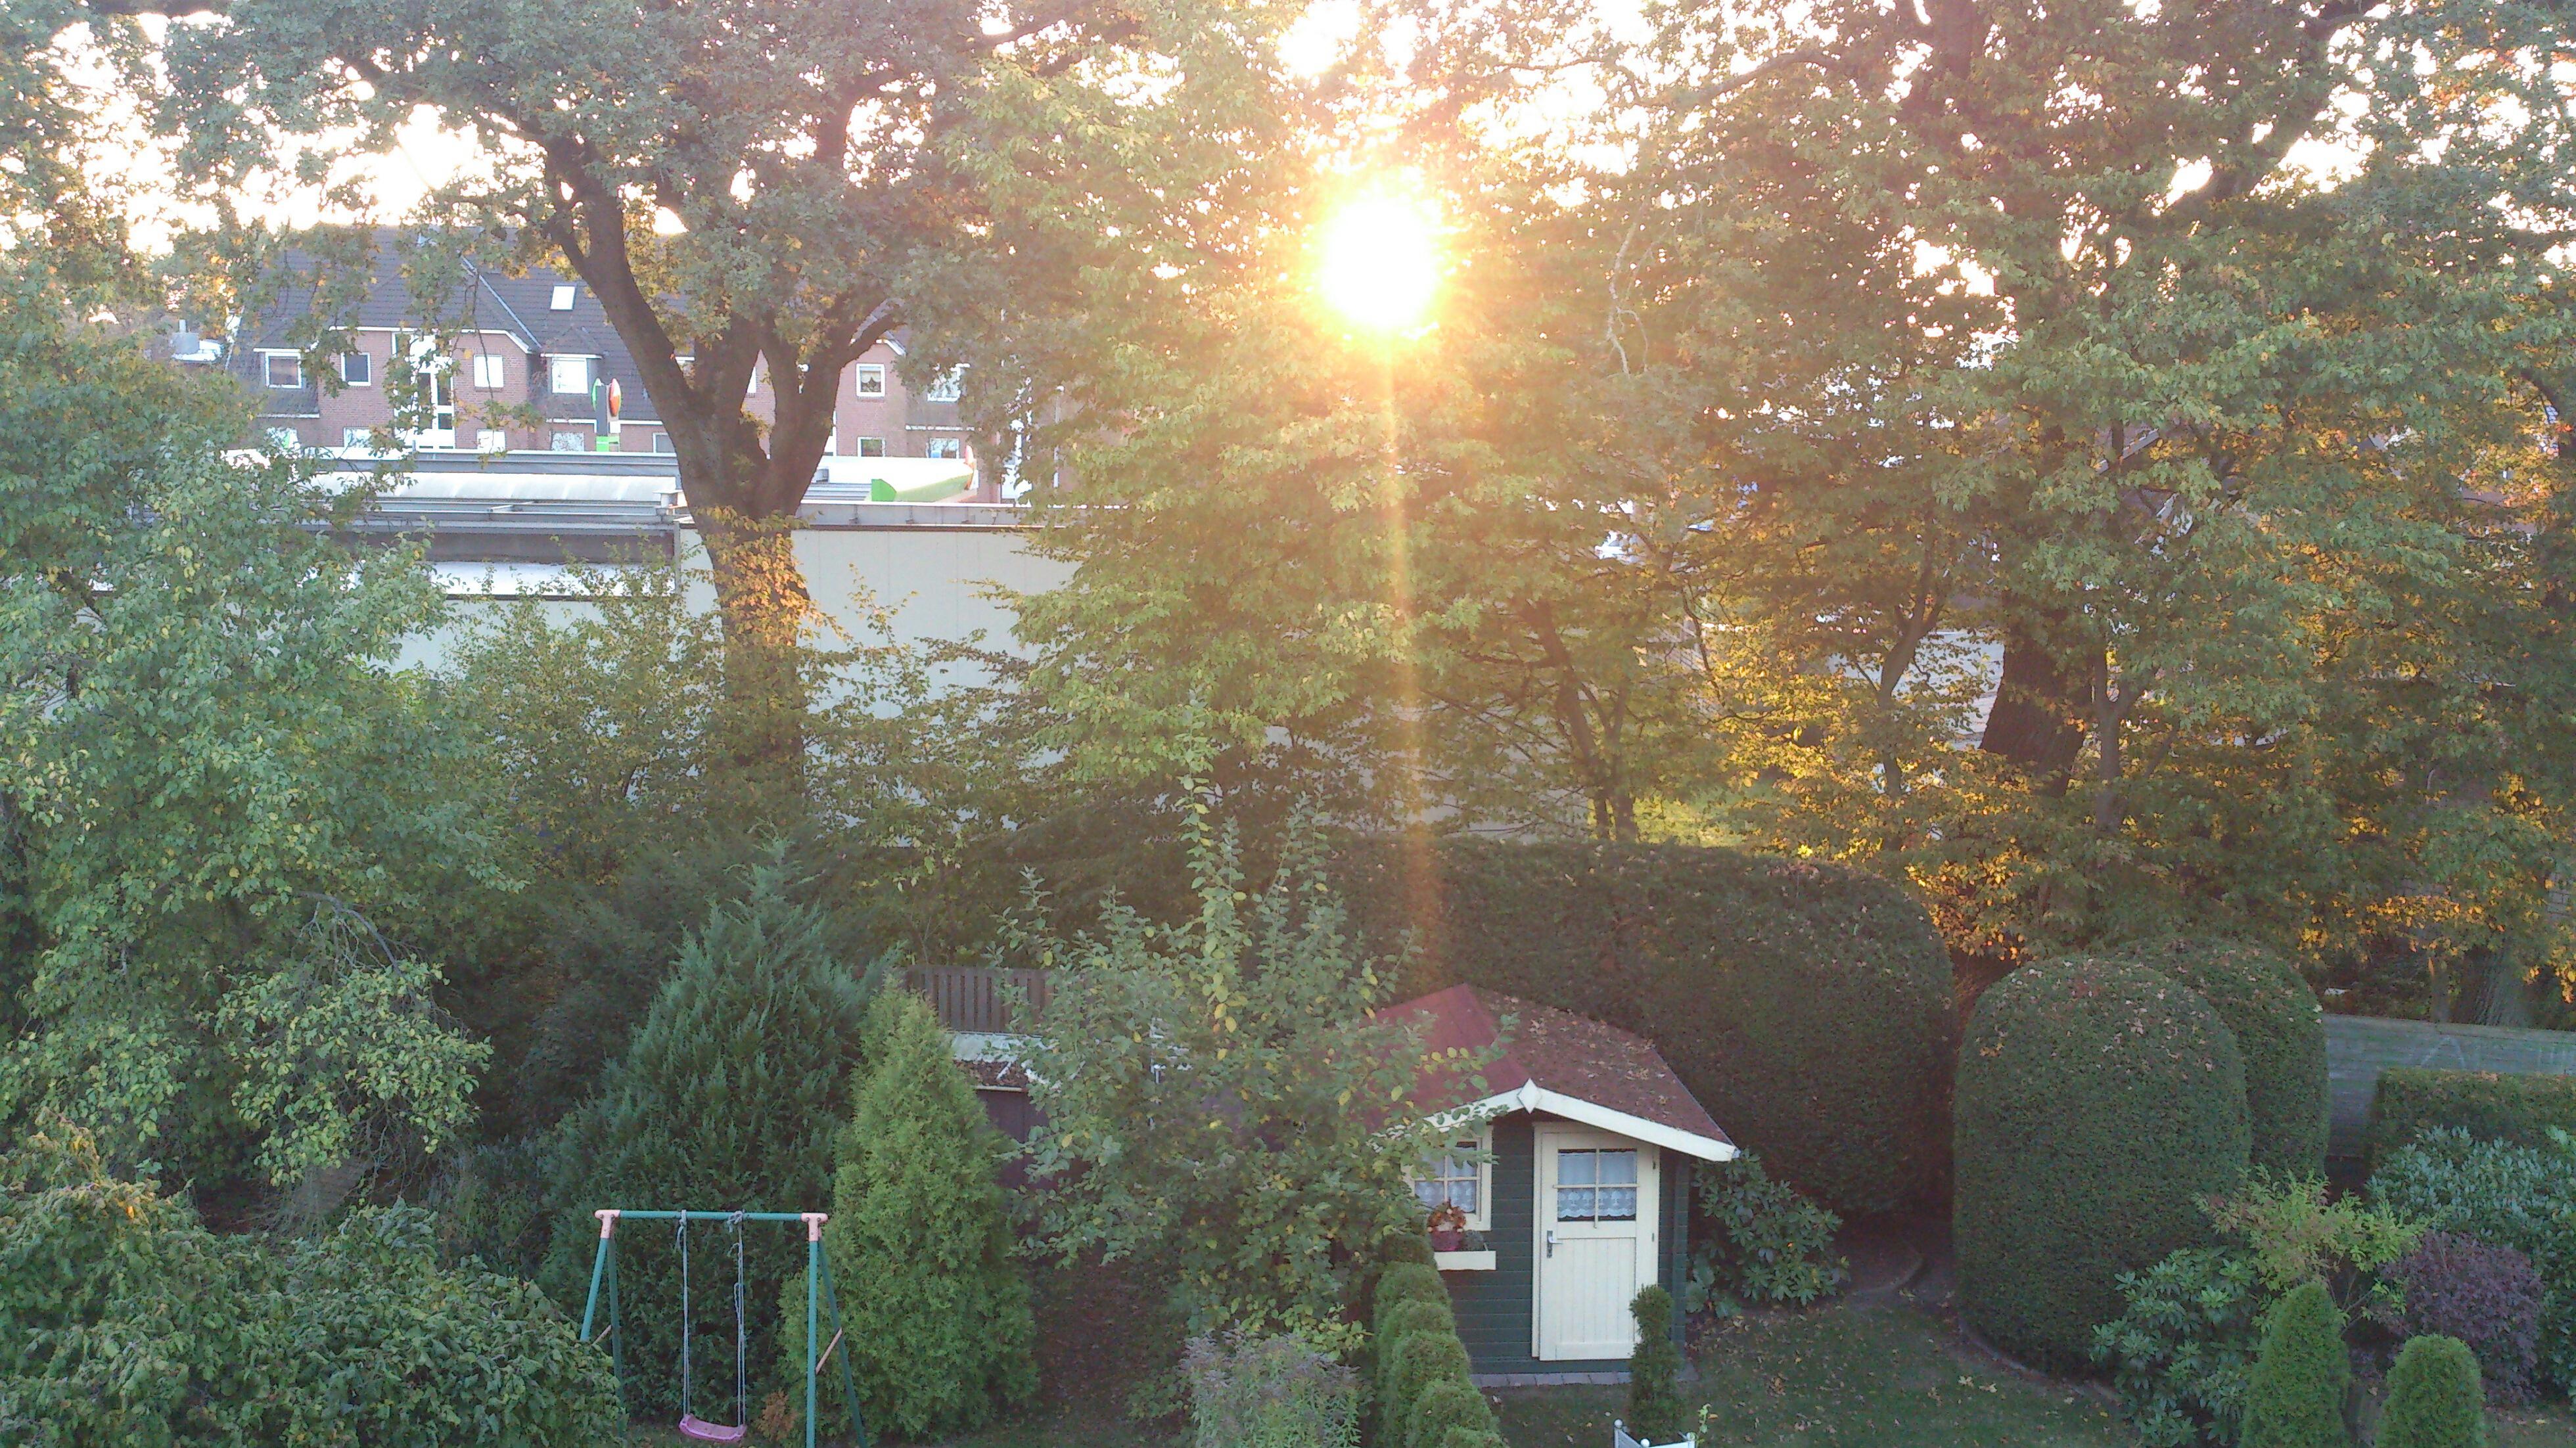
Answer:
(2279, 1027)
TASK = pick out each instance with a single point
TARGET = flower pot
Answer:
(1446, 1241)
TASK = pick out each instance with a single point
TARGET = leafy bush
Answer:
(1411, 1316)
(2280, 1030)
(2508, 1196)
(2487, 1297)
(1200, 1083)
(2296, 1396)
(2182, 1350)
(1408, 1282)
(728, 1094)
(1758, 1239)
(1654, 1369)
(2180, 1355)
(2487, 1105)
(1807, 1006)
(1472, 1438)
(2098, 1103)
(1444, 1406)
(1273, 1392)
(122, 1321)
(920, 1245)
(2433, 1397)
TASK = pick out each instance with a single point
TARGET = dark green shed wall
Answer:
(1494, 1307)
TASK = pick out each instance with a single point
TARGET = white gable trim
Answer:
(1533, 1097)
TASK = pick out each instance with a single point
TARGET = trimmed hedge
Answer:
(1807, 1006)
(2280, 1029)
(1444, 1406)
(1421, 1364)
(2433, 1397)
(1655, 1370)
(2295, 1399)
(2488, 1105)
(2098, 1103)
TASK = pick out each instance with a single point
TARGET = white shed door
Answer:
(1596, 1241)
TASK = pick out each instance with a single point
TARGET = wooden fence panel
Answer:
(974, 999)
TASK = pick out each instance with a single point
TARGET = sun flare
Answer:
(1380, 261)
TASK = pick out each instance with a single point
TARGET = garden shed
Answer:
(1571, 1170)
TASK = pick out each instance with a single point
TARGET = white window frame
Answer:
(491, 439)
(561, 301)
(555, 374)
(930, 448)
(945, 389)
(866, 373)
(491, 371)
(366, 364)
(662, 444)
(880, 446)
(268, 370)
(1482, 1145)
(563, 435)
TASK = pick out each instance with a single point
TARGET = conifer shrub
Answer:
(1408, 1282)
(1806, 1005)
(1416, 1362)
(2301, 1377)
(935, 1305)
(729, 1093)
(2280, 1030)
(1472, 1438)
(1444, 1406)
(2098, 1103)
(2488, 1105)
(1411, 1315)
(1654, 1369)
(2433, 1397)
(2485, 1296)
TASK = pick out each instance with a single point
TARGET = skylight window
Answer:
(563, 297)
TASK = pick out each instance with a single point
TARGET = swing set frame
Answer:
(819, 1298)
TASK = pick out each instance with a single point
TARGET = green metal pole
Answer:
(849, 1386)
(813, 1299)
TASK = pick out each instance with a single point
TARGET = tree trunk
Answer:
(764, 607)
(2038, 716)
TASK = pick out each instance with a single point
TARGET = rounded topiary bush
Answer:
(1443, 1408)
(2098, 1102)
(1806, 1005)
(2281, 1031)
(2434, 1400)
(2294, 1398)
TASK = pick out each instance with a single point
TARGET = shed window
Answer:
(1596, 1186)
(1459, 1177)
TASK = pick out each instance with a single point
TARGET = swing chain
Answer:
(741, 1379)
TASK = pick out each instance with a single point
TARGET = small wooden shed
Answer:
(1571, 1165)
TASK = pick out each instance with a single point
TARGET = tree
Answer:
(728, 1093)
(1221, 1105)
(2296, 1397)
(920, 1239)
(753, 192)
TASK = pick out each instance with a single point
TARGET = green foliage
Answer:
(2509, 1196)
(1409, 1368)
(1472, 1438)
(2523, 1110)
(2295, 1398)
(2182, 1350)
(1757, 1239)
(1444, 1406)
(1654, 1369)
(2281, 1031)
(1220, 1101)
(729, 1093)
(936, 1307)
(1273, 1392)
(1405, 1316)
(1806, 1006)
(230, 823)
(2098, 1102)
(2433, 1397)
(124, 1322)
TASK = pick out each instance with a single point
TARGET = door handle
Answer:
(1551, 1241)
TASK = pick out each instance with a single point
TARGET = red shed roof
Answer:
(1559, 1062)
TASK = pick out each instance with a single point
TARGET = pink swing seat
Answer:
(693, 1426)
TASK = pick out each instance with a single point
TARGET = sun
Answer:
(1379, 261)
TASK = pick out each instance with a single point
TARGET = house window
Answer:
(944, 389)
(1461, 1176)
(488, 371)
(662, 443)
(568, 376)
(492, 440)
(563, 297)
(871, 380)
(358, 437)
(285, 369)
(872, 447)
(357, 369)
(285, 439)
(946, 447)
(571, 442)
(1596, 1186)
